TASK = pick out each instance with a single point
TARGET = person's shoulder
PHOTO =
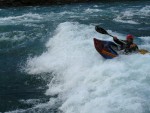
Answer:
(135, 44)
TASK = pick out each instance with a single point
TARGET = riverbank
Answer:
(14, 3)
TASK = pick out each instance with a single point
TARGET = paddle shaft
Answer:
(103, 31)
(110, 35)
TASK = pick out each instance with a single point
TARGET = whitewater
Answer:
(85, 81)
(78, 79)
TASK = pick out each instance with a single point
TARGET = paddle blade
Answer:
(100, 30)
(143, 51)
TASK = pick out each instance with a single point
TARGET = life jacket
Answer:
(124, 45)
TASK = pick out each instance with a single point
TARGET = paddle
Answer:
(103, 31)
(143, 51)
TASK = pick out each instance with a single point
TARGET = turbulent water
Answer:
(48, 63)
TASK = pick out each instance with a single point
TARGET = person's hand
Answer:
(115, 38)
(133, 45)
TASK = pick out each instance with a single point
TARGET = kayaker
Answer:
(127, 45)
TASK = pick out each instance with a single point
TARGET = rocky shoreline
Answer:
(9, 3)
(14, 3)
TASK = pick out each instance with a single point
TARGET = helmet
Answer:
(129, 36)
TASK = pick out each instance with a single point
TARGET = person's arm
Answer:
(134, 47)
(116, 40)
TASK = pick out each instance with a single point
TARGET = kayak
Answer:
(107, 51)
(104, 48)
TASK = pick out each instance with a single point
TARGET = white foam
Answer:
(119, 19)
(42, 107)
(85, 82)
(145, 10)
(89, 10)
(146, 44)
(12, 36)
(66, 12)
(95, 6)
(29, 17)
(30, 101)
(128, 13)
(126, 17)
(146, 39)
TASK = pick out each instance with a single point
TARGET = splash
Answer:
(84, 81)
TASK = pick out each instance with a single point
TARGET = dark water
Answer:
(24, 32)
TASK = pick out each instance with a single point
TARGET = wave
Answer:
(129, 15)
(89, 10)
(84, 81)
(12, 36)
(119, 19)
(145, 10)
(29, 17)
